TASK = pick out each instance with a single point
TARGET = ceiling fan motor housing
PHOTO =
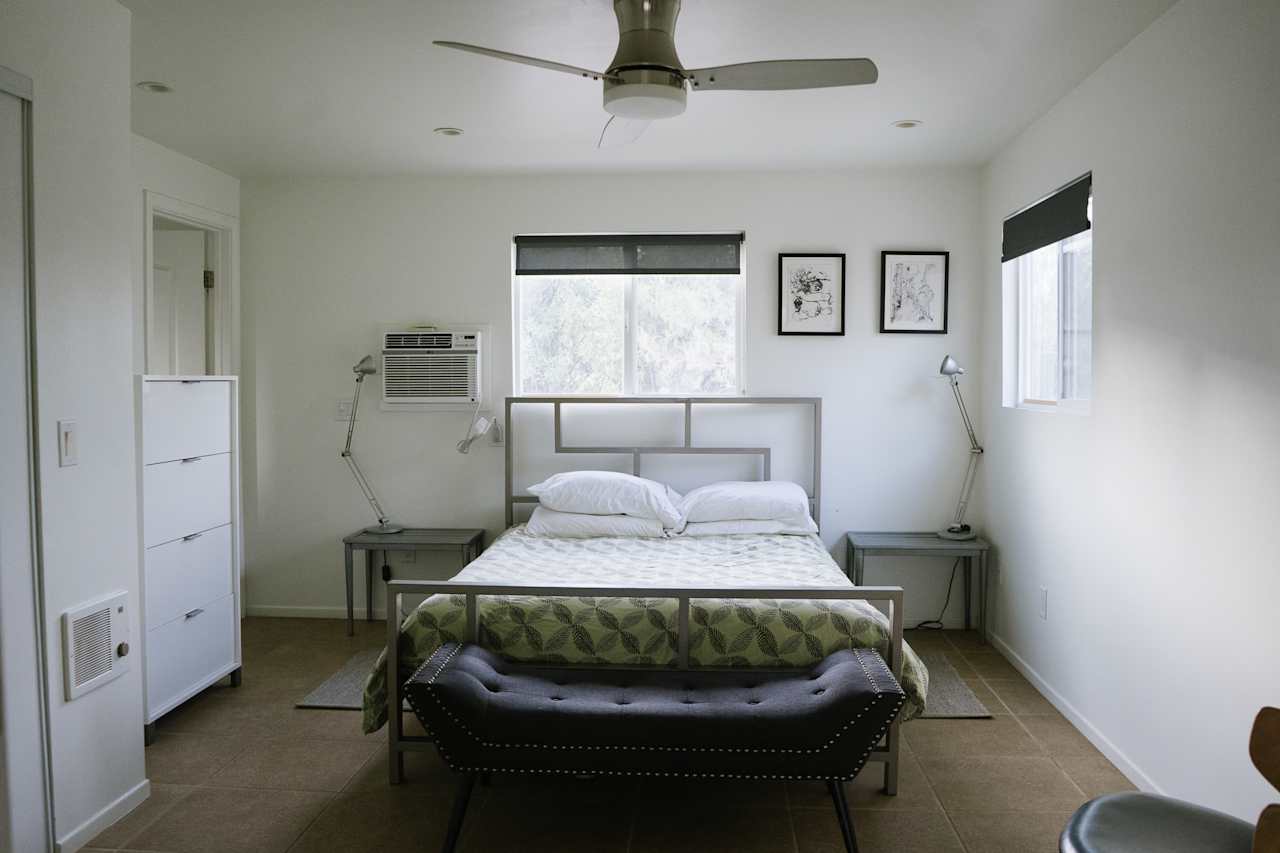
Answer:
(646, 79)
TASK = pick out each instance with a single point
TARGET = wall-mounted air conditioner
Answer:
(423, 366)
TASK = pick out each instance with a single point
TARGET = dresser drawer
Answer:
(183, 419)
(179, 498)
(187, 651)
(186, 573)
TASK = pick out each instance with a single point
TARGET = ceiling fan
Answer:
(646, 80)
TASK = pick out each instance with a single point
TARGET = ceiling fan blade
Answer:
(621, 131)
(524, 60)
(785, 74)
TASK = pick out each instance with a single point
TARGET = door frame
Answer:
(21, 87)
(225, 342)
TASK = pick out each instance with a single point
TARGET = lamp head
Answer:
(950, 368)
(364, 367)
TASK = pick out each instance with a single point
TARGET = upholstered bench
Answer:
(489, 715)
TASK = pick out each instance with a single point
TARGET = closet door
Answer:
(23, 815)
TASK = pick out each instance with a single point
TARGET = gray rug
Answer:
(949, 696)
(344, 690)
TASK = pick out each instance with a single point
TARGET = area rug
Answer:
(949, 697)
(344, 690)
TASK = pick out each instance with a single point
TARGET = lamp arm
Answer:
(964, 413)
(360, 478)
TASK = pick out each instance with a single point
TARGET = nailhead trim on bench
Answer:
(858, 653)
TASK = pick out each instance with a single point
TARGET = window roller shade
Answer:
(1058, 217)
(630, 254)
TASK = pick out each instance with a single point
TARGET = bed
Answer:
(745, 600)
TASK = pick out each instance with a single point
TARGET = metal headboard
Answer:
(687, 447)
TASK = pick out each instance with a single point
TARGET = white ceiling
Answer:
(335, 87)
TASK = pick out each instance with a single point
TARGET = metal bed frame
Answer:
(398, 743)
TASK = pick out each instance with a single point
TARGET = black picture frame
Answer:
(786, 300)
(885, 255)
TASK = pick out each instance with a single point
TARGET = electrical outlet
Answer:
(342, 410)
(497, 435)
(1044, 602)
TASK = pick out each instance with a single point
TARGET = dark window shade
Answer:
(630, 254)
(1059, 216)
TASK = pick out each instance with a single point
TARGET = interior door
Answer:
(178, 298)
(24, 823)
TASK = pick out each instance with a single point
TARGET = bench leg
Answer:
(836, 787)
(460, 800)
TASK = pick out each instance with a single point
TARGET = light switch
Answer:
(68, 444)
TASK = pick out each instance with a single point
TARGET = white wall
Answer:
(161, 170)
(326, 263)
(1149, 520)
(77, 53)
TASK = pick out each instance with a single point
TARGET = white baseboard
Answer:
(1113, 753)
(307, 612)
(89, 830)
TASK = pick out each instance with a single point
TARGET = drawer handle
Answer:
(190, 459)
(191, 614)
(191, 536)
(190, 381)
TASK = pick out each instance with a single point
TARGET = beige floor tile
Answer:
(927, 641)
(818, 831)
(189, 759)
(1020, 697)
(388, 820)
(1094, 774)
(1010, 832)
(714, 794)
(961, 664)
(867, 790)
(987, 696)
(295, 765)
(163, 797)
(533, 825)
(991, 665)
(693, 829)
(421, 770)
(212, 820)
(967, 641)
(1058, 736)
(952, 738)
(988, 783)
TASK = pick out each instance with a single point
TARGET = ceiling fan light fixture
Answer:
(155, 87)
(447, 131)
(645, 101)
(908, 123)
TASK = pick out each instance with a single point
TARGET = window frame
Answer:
(629, 337)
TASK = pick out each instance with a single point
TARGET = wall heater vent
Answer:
(95, 644)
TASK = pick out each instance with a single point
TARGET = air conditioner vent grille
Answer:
(93, 650)
(430, 367)
(94, 644)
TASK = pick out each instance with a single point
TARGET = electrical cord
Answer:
(936, 624)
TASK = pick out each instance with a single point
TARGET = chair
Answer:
(1132, 822)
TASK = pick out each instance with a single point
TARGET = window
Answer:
(1048, 285)
(628, 314)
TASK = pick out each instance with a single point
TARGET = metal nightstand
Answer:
(468, 542)
(863, 545)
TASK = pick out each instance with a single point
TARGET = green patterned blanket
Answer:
(643, 631)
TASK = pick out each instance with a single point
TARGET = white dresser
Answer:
(190, 526)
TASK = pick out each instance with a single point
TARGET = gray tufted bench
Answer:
(489, 715)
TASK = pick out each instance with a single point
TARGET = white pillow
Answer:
(577, 525)
(771, 500)
(607, 493)
(720, 528)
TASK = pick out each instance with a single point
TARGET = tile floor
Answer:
(243, 770)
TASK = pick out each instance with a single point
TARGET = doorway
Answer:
(190, 290)
(25, 795)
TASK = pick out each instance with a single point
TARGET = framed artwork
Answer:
(810, 294)
(913, 292)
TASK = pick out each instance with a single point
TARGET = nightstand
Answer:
(468, 542)
(863, 545)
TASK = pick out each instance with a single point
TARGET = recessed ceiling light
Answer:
(154, 86)
(908, 123)
(448, 131)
